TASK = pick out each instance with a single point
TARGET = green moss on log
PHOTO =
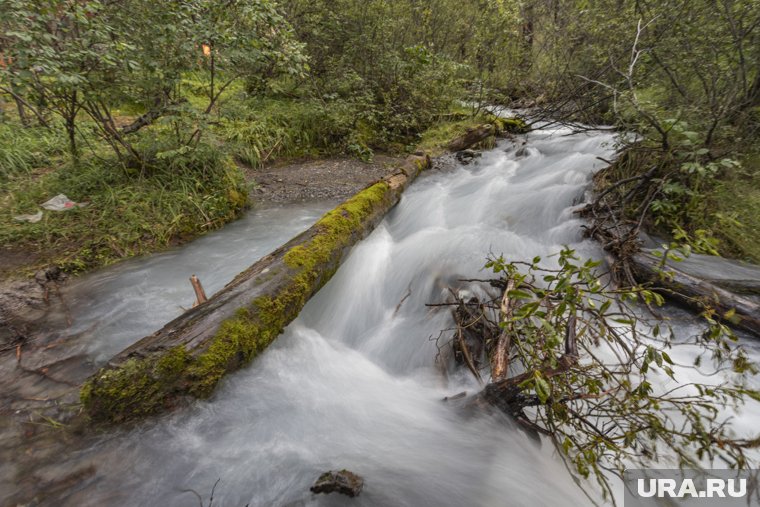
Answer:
(147, 385)
(242, 337)
(514, 125)
(138, 387)
(336, 228)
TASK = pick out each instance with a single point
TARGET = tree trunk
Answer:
(71, 131)
(698, 294)
(190, 355)
(471, 138)
(21, 111)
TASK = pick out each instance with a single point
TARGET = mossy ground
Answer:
(436, 138)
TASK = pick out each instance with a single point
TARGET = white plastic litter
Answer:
(61, 203)
(29, 218)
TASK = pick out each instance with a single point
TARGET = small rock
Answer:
(343, 482)
(522, 152)
(466, 156)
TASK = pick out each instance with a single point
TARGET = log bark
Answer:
(696, 293)
(471, 138)
(189, 356)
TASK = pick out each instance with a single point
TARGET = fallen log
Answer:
(631, 265)
(471, 138)
(190, 355)
(739, 311)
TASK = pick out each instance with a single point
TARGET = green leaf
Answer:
(543, 390)
(519, 294)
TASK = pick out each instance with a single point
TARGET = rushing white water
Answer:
(352, 383)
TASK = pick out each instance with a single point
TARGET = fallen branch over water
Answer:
(190, 355)
(571, 358)
(471, 138)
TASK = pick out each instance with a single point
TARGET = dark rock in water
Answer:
(343, 482)
(521, 152)
(466, 156)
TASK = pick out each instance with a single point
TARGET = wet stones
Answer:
(466, 156)
(343, 482)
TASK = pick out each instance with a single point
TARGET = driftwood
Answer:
(193, 352)
(698, 293)
(500, 354)
(494, 340)
(471, 138)
(200, 294)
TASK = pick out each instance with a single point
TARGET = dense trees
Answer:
(89, 56)
(683, 75)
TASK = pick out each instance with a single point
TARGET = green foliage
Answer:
(587, 365)
(23, 151)
(258, 130)
(388, 57)
(680, 74)
(72, 56)
(735, 205)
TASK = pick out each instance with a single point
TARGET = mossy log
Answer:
(190, 355)
(739, 311)
(471, 138)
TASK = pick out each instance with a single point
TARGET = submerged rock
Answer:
(343, 482)
(466, 156)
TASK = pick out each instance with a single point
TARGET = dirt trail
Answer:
(317, 179)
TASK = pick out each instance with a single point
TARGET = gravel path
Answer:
(317, 179)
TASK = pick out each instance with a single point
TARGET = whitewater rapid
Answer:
(352, 383)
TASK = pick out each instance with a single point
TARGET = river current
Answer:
(352, 383)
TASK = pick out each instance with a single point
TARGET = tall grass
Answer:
(259, 130)
(127, 214)
(23, 150)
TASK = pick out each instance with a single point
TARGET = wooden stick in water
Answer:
(200, 294)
